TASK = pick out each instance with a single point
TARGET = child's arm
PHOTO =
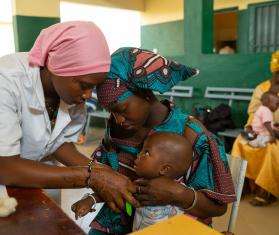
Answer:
(84, 206)
(271, 131)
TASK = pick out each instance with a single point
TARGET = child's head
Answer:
(164, 154)
(270, 100)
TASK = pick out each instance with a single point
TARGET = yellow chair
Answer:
(178, 225)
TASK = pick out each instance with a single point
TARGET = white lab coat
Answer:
(24, 123)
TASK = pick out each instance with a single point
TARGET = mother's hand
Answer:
(158, 191)
(115, 189)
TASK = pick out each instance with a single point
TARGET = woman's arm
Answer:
(254, 105)
(208, 205)
(68, 155)
(204, 208)
(164, 191)
(271, 131)
(16, 171)
(113, 187)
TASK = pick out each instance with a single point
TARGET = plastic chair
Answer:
(238, 168)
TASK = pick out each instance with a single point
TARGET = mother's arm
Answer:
(164, 191)
(214, 208)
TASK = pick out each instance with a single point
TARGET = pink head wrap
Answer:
(71, 49)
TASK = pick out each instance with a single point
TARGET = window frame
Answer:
(251, 42)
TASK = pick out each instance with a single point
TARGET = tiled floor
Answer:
(250, 220)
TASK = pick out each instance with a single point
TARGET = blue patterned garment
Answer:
(143, 69)
(135, 70)
(209, 172)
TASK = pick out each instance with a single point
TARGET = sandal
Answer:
(260, 202)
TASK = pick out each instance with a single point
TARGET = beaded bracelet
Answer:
(89, 169)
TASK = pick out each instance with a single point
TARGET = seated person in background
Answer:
(262, 124)
(163, 154)
(263, 163)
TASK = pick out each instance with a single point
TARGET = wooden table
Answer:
(178, 225)
(36, 214)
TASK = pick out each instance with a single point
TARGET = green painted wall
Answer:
(27, 28)
(238, 70)
(242, 31)
(168, 38)
(226, 71)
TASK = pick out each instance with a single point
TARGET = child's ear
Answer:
(165, 170)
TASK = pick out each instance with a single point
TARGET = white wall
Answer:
(7, 45)
(121, 27)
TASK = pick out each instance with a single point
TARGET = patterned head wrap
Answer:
(274, 63)
(134, 69)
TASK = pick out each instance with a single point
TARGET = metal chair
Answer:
(93, 110)
(238, 168)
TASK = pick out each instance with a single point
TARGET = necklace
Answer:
(52, 110)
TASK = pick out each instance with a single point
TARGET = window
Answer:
(120, 27)
(263, 30)
(7, 45)
(225, 31)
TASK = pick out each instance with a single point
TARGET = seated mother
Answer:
(263, 163)
(136, 113)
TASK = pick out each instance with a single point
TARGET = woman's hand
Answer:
(164, 191)
(158, 191)
(115, 189)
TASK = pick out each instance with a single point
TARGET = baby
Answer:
(263, 127)
(163, 154)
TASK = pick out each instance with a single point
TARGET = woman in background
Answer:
(263, 163)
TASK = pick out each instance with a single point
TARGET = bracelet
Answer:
(90, 165)
(92, 196)
(194, 201)
(89, 169)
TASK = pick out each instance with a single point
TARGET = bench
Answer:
(230, 94)
(177, 91)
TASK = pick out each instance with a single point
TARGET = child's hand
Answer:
(83, 207)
